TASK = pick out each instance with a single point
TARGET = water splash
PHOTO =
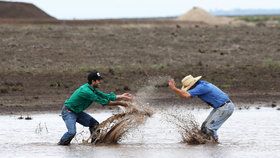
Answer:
(188, 127)
(151, 87)
(150, 90)
(113, 129)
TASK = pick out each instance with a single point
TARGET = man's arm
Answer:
(109, 96)
(181, 93)
(112, 96)
(117, 103)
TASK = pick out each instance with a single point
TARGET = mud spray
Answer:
(188, 127)
(113, 129)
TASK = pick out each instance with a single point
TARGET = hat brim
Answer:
(185, 88)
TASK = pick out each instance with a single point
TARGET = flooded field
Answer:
(247, 133)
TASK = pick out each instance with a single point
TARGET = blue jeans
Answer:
(70, 118)
(216, 118)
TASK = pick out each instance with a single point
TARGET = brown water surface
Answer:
(247, 133)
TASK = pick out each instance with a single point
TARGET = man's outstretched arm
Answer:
(181, 93)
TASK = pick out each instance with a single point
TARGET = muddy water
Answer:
(114, 128)
(248, 133)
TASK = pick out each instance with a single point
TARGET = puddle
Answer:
(247, 133)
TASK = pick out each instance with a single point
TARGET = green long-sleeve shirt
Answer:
(85, 95)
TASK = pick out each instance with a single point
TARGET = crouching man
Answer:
(80, 100)
(210, 94)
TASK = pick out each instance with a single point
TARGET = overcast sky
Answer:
(96, 9)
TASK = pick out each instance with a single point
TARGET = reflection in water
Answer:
(248, 133)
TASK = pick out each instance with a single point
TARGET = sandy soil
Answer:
(41, 64)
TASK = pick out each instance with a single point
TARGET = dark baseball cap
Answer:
(94, 75)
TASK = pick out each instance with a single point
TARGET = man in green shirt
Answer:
(81, 99)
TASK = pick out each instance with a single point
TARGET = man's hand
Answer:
(171, 84)
(181, 93)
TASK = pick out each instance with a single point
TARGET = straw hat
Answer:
(188, 82)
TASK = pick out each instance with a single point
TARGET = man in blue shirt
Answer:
(210, 94)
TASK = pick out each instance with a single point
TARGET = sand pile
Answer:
(189, 128)
(199, 15)
(114, 128)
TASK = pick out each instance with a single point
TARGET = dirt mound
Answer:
(17, 10)
(199, 15)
